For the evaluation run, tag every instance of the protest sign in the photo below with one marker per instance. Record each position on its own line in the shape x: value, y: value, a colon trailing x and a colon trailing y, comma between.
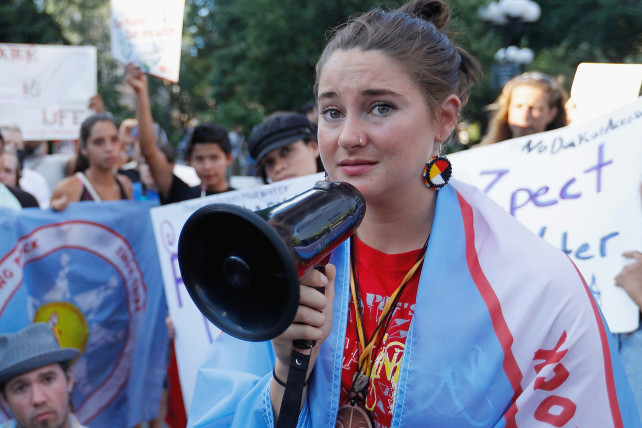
x: 91, y: 272
x: 619, y: 85
x: 194, y: 333
x: 45, y: 89
x: 148, y: 33
x: 579, y: 188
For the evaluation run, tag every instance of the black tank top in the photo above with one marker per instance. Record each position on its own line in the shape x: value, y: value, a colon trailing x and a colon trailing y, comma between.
x: 86, y: 195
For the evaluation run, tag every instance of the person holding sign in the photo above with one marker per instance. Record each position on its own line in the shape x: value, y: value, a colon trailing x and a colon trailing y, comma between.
x: 209, y: 150
x: 443, y: 310
x: 101, y: 146
x: 531, y: 102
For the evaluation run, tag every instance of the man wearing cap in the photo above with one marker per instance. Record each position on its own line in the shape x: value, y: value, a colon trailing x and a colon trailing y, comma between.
x: 285, y: 146
x: 36, y: 379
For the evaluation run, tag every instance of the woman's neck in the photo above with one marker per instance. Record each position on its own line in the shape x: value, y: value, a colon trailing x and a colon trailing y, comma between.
x: 394, y: 230
x: 99, y: 176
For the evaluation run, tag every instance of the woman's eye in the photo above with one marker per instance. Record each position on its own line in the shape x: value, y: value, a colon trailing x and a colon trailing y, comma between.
x: 331, y: 113
x: 285, y: 151
x: 382, y: 109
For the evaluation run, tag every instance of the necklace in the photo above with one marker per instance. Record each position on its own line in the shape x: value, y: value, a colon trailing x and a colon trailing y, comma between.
x: 352, y: 414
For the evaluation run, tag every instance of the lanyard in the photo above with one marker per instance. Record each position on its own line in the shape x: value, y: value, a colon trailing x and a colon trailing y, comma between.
x: 366, y: 350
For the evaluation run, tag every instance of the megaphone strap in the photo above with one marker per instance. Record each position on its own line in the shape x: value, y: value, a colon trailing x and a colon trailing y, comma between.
x: 293, y: 394
x: 280, y: 382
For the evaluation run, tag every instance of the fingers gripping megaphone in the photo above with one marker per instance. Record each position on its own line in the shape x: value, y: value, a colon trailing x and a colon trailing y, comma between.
x: 242, y: 267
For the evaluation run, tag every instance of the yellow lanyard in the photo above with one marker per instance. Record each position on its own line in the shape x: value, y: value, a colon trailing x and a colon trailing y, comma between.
x: 367, y: 350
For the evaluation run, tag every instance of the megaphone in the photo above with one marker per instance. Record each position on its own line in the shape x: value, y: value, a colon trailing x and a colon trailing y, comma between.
x: 242, y: 267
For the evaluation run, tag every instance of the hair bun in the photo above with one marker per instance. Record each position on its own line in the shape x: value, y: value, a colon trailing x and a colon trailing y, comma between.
x: 435, y: 11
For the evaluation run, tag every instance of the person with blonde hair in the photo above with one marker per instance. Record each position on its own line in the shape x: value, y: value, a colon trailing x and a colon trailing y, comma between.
x: 529, y: 103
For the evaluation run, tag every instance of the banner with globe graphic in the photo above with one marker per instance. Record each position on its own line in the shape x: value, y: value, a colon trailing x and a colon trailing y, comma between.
x: 91, y: 273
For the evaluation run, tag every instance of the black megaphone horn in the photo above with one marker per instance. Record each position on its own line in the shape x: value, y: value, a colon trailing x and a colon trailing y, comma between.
x: 242, y: 267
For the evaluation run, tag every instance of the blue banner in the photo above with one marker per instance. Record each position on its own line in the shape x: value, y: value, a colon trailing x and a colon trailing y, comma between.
x: 92, y: 273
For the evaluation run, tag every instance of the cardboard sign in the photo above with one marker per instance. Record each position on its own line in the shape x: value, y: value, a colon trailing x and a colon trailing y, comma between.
x: 619, y: 85
x: 148, y: 33
x: 579, y: 188
x: 45, y: 89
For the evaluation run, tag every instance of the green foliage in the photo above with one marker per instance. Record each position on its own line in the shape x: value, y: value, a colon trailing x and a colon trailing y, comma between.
x: 249, y: 58
x: 612, y: 29
x: 21, y: 22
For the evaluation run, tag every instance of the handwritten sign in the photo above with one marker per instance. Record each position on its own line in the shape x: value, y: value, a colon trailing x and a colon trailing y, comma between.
x: 45, y: 89
x: 148, y: 33
x: 194, y: 333
x: 578, y: 187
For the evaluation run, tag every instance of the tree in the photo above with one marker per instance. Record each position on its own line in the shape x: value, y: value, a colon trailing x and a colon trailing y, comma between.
x: 253, y: 57
x: 34, y: 25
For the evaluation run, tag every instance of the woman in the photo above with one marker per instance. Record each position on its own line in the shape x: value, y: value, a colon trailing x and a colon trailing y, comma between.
x: 530, y: 103
x: 99, y: 182
x: 285, y: 146
x: 442, y: 311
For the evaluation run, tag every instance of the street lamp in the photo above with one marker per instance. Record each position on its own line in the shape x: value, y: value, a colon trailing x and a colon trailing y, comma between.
x: 510, y: 18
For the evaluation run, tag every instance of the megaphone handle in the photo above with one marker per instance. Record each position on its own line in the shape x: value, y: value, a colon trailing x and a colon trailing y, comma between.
x: 309, y: 344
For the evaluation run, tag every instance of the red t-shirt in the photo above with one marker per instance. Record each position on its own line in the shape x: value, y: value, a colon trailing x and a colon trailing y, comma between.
x: 379, y: 276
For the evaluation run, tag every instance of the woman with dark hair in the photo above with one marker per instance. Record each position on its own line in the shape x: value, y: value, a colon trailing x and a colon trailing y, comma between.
x: 285, y: 146
x: 98, y: 182
x: 442, y: 310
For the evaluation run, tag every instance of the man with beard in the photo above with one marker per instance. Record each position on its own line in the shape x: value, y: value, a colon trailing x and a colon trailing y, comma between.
x: 36, y: 379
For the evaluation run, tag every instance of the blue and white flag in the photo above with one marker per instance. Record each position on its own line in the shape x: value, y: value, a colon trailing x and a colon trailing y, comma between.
x: 92, y: 273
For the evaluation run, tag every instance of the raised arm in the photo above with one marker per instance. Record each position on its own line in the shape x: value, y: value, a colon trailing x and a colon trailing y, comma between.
x: 159, y: 167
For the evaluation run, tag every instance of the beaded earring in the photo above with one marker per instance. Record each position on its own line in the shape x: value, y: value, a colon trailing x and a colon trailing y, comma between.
x: 437, y: 171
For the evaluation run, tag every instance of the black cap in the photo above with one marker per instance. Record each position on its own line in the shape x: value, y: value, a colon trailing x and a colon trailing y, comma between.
x: 279, y: 131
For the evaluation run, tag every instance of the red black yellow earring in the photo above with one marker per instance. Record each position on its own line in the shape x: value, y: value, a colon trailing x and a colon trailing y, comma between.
x: 437, y: 172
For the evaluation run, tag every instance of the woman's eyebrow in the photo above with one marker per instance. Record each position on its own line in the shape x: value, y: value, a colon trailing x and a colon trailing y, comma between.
x: 366, y: 92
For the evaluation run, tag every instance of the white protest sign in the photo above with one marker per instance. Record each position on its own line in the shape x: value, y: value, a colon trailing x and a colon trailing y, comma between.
x: 579, y: 188
x: 45, y: 89
x: 619, y: 85
x: 194, y: 333
x: 148, y: 33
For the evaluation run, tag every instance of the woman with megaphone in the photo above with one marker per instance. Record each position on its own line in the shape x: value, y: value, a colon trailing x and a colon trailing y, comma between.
x: 442, y: 310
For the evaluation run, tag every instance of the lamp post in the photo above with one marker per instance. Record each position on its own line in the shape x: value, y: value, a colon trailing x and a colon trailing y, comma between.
x: 510, y: 18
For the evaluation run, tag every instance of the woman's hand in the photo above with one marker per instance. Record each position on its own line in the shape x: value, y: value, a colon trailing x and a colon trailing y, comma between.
x: 136, y: 78
x: 59, y: 203
x: 97, y: 104
x: 630, y: 278
x: 313, y: 321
